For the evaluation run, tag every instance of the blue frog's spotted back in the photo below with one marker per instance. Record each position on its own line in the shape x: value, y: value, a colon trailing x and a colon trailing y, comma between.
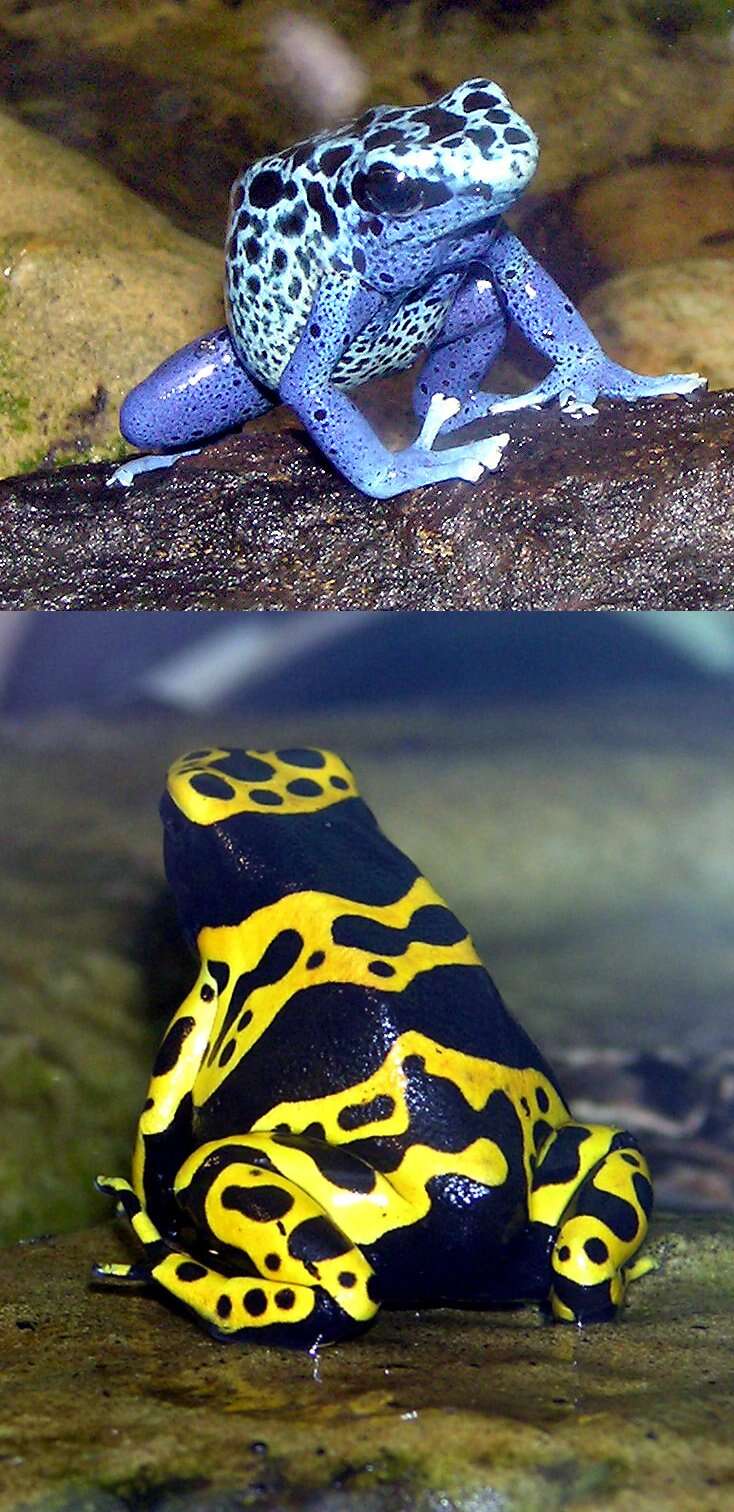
x: 352, y: 252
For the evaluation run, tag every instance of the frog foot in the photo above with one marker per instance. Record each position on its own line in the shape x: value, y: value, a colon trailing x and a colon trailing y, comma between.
x: 128, y: 471
x: 155, y: 1245
x: 577, y: 387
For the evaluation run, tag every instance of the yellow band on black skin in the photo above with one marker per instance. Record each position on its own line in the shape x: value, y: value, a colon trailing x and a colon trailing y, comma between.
x: 342, y: 1112
x: 211, y: 785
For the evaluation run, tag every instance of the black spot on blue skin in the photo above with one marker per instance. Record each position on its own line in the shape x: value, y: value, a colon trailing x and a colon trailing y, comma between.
x: 302, y: 756
x: 333, y: 159
x: 479, y: 99
x: 374, y: 1111
x: 341, y: 196
x: 211, y: 786
x: 499, y: 117
x: 263, y: 1204
x: 483, y: 136
x: 301, y: 154
x: 305, y: 787
x: 293, y: 223
x: 253, y: 284
x: 440, y: 123
x: 294, y: 287
x: 359, y: 260
x: 383, y: 136
x: 318, y: 202
x: 171, y: 1048
x: 252, y: 249
x: 514, y: 135
x: 433, y: 193
x: 255, y: 1302
x: 188, y: 1270
x: 280, y: 260
x: 265, y: 189
x: 316, y: 1239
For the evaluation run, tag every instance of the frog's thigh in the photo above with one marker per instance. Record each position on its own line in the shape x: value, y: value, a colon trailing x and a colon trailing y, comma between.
x: 242, y: 1204
x: 593, y: 1185
x: 471, y: 338
x: 199, y: 391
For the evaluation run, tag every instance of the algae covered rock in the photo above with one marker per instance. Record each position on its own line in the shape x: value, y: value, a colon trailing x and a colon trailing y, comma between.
x: 97, y: 288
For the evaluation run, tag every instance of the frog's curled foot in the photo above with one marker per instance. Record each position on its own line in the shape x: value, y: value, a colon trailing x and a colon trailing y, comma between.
x: 578, y: 387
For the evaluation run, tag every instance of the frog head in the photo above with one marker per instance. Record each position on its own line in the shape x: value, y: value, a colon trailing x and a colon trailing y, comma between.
x: 240, y: 827
x: 418, y: 184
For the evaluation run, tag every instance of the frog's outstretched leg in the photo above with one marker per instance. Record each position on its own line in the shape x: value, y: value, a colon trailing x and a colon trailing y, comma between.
x: 550, y: 322
x: 200, y: 391
x: 471, y: 338
x: 290, y: 1273
x: 592, y: 1187
x: 343, y: 306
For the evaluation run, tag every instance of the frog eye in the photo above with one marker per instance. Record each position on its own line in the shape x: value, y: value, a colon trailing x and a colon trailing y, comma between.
x: 389, y: 191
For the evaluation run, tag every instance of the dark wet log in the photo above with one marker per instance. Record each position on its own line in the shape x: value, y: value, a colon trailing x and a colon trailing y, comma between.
x: 630, y: 509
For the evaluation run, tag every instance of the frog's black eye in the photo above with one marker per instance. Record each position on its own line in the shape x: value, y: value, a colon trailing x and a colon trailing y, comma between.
x: 388, y: 191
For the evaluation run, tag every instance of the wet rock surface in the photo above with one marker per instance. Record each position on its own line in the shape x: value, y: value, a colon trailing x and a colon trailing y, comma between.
x: 631, y: 508
x: 112, y: 1402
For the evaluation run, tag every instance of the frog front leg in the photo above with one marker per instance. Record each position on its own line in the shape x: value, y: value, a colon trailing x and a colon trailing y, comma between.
x: 164, y: 1133
x: 199, y: 391
x: 341, y: 308
x: 290, y: 1274
x: 580, y: 369
x: 592, y: 1193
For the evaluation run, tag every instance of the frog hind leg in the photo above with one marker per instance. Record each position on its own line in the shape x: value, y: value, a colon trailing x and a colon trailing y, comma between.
x: 198, y: 392
x: 471, y: 338
x: 592, y: 1190
x: 301, y: 1285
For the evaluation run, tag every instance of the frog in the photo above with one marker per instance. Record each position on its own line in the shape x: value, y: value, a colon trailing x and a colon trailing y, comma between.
x: 343, y: 1115
x: 353, y: 252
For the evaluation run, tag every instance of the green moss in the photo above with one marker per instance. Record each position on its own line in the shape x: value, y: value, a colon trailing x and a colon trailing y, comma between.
x: 15, y: 411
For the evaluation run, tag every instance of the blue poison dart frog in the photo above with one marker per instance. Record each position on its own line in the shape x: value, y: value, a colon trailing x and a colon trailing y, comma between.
x: 346, y: 257
x: 342, y: 1113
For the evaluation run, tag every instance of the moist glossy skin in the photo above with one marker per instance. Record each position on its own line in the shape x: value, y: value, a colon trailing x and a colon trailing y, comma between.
x: 342, y: 1113
x: 349, y: 255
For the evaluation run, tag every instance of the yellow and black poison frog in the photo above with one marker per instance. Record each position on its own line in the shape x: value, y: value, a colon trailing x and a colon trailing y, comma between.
x: 347, y: 256
x: 342, y: 1113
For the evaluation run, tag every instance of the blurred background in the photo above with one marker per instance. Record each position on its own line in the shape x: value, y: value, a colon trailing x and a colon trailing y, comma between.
x: 564, y: 780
